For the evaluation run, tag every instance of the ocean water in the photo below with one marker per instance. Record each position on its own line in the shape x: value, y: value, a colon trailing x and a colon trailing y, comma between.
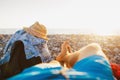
x: 50, y: 31
x: 64, y: 31
x: 8, y: 31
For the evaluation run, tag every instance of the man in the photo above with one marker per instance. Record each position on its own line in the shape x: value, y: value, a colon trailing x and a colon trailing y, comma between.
x: 26, y: 48
x: 88, y: 63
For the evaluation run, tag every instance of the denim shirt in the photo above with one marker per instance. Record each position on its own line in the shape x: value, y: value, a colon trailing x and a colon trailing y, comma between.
x: 34, y: 47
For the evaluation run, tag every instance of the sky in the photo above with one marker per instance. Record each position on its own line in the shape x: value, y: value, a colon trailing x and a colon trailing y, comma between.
x: 89, y: 16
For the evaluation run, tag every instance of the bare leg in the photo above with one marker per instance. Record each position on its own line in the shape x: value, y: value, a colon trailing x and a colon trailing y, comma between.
x: 71, y: 58
x: 91, y: 49
x: 18, y: 61
x: 13, y: 66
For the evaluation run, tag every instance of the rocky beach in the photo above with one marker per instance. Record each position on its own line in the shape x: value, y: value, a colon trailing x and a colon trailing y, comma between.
x: 109, y: 44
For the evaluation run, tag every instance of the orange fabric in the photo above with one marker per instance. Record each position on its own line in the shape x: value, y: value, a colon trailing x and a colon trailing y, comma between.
x: 116, y: 70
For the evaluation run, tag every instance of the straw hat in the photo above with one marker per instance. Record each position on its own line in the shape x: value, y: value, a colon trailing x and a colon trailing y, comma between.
x: 38, y: 30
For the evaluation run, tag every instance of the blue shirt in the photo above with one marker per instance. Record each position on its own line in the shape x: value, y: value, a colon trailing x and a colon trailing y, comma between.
x: 33, y: 47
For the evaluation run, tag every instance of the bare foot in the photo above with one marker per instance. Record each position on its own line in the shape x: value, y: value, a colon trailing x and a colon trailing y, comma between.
x: 65, y: 50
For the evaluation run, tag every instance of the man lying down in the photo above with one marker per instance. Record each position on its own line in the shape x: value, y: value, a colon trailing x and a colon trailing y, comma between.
x: 88, y: 63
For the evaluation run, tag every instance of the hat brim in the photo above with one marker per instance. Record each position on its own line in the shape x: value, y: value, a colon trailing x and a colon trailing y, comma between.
x: 32, y: 33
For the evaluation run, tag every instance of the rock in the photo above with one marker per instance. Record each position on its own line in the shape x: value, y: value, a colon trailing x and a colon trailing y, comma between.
x: 109, y: 44
x: 116, y: 50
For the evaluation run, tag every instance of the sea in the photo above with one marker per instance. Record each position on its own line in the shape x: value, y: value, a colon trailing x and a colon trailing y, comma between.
x: 50, y: 31
x: 59, y: 31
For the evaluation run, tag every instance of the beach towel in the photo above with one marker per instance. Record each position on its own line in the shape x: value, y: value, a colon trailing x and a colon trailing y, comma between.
x: 90, y: 68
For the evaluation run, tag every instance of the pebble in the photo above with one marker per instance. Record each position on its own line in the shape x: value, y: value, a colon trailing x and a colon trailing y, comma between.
x: 109, y: 44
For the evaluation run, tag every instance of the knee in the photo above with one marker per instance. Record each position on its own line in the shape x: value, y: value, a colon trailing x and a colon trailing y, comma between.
x: 96, y: 49
x: 94, y: 46
x: 18, y: 43
x: 91, y: 49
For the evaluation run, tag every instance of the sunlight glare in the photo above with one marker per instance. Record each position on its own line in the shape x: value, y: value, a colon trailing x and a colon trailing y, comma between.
x: 103, y: 31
